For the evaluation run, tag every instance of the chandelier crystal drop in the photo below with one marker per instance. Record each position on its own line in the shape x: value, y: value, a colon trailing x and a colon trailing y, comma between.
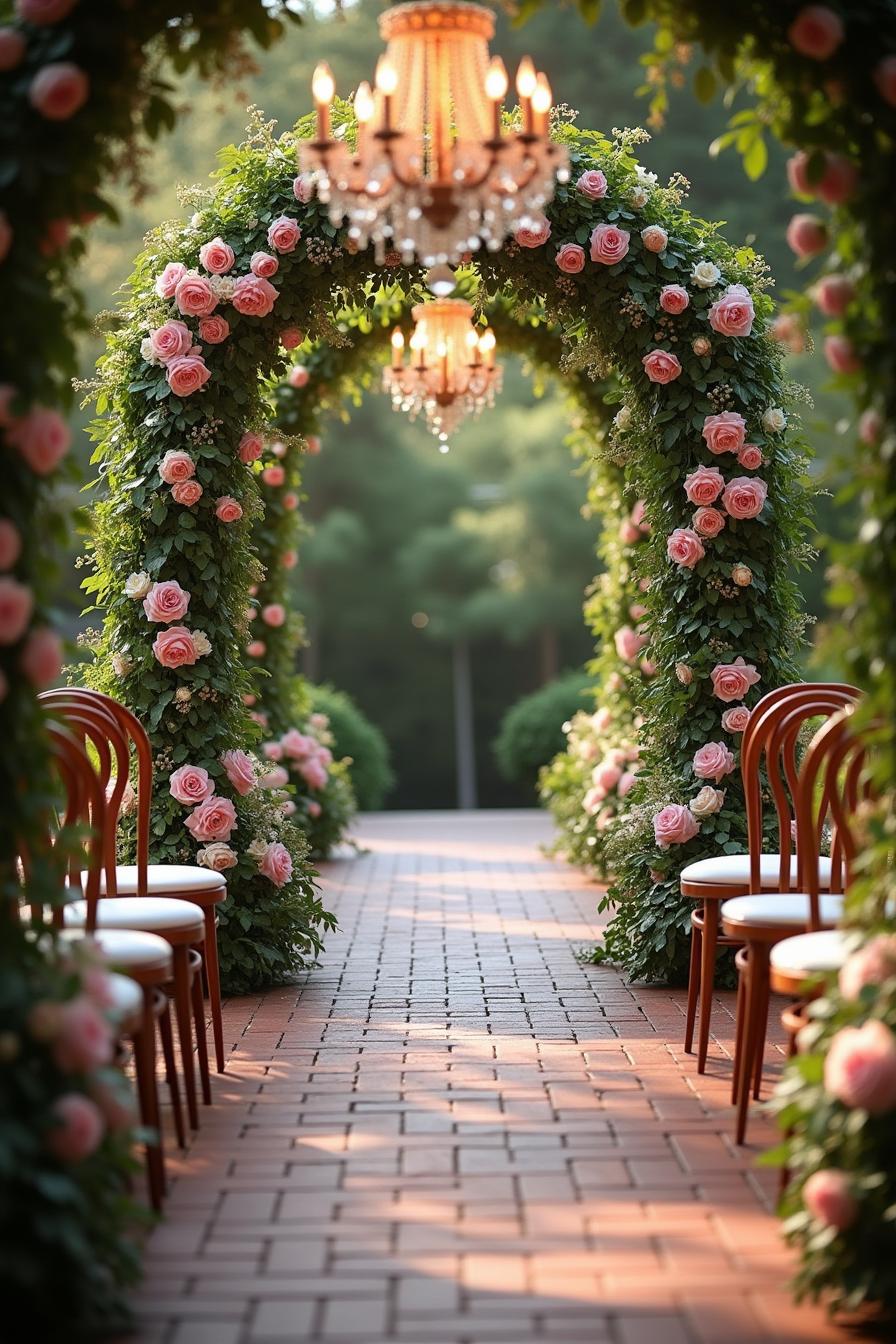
x: 433, y: 174
x: 451, y: 373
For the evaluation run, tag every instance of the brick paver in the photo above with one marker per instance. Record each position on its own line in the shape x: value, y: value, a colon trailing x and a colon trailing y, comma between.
x: 453, y: 1131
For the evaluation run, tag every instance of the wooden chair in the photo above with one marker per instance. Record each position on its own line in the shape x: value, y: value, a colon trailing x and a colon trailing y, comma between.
x: 712, y: 881
x: 762, y: 919
x: 185, y: 882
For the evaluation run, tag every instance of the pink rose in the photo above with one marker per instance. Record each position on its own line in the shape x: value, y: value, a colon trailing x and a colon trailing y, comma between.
x: 253, y: 296
x: 166, y: 284
x: 592, y: 184
x: 840, y: 354
x: 274, y: 614
x: 731, y: 681
x: 187, y: 493
x: 16, y: 606
x: 807, y: 235
x: 733, y: 313
x: 251, y: 447
x: 289, y: 559
x: 257, y: 648
x: 190, y: 784
x: 570, y: 258
x: 214, y: 330
x: 42, y: 438
x: 216, y: 256
x: 314, y: 774
x: 870, y: 426
x: 816, y: 32
x: 725, y: 432
x: 276, y: 864
x: 873, y: 964
x: 298, y: 376
x: 296, y: 744
x: 166, y: 602
x: 12, y: 48
x: 713, y: 761
x: 609, y: 244
x: 56, y: 237
x: 77, y: 1128
x: 59, y: 90
x: 674, y: 825
x: 674, y: 298
x: 176, y: 465
x: 44, y: 12
x: 839, y: 180
x: 290, y: 500
x: 629, y: 533
x: 312, y: 444
x: 654, y: 238
x: 240, y: 771
x: 217, y: 857
x: 606, y: 776
x: 798, y: 174
x: 834, y: 294
x: 860, y: 1067
x: 273, y: 475
x: 708, y: 522
x: 283, y: 235
x: 661, y: 366
x: 10, y: 543
x: 735, y: 720
x: 175, y: 647
x: 533, y: 235
x: 314, y: 809
x: 290, y: 337
x: 84, y: 1038
x: 704, y: 485
x: 194, y: 295
x: 884, y: 77
x: 228, y: 509
x: 750, y: 456
x: 41, y: 658
x: 828, y: 1198
x: 187, y: 374
x: 275, y: 778
x: 788, y: 331
x: 171, y: 339
x: 629, y: 643
x: 264, y: 264
x: 626, y: 783
x: 744, y: 496
x: 303, y: 187
x: 213, y: 819
x: 273, y: 751
x: 684, y: 547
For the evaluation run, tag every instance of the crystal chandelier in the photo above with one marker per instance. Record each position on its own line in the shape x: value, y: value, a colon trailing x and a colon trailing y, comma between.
x: 452, y: 372
x: 433, y: 173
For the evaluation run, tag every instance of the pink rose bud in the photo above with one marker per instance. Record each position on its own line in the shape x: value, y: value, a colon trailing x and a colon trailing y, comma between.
x: 274, y: 614
x: 251, y: 447
x: 816, y: 32
x: 570, y: 258
x: 807, y: 235
x: 674, y: 299
x: 298, y: 376
x: 860, y: 1067
x: 834, y: 294
x: 59, y: 90
x: 839, y: 180
x: 41, y: 659
x: 290, y: 500
x: 228, y: 509
x: 16, y: 606
x: 214, y: 330
x: 42, y: 438
x: 77, y: 1130
x: 533, y: 235
x: 257, y: 648
x: 828, y: 1198
x: 274, y: 475
x: 592, y: 184
x: 840, y: 354
x: 289, y: 559
x: 312, y: 444
x: 870, y: 426
x: 629, y: 533
x: 608, y: 244
x: 216, y: 256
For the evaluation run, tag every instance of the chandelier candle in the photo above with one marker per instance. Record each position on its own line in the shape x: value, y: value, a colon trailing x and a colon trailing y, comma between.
x: 433, y: 174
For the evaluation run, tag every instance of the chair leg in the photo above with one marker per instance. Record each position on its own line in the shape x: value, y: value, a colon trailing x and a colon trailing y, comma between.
x: 171, y: 1072
x: 709, y: 945
x: 693, y: 985
x: 213, y: 980
x: 739, y: 1015
x: 762, y: 1016
x: 184, y: 1028
x: 147, y: 1093
x: 753, y: 1039
x: 201, y: 1030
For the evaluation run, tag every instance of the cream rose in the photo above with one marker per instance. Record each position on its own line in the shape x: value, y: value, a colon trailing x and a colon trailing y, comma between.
x: 137, y: 585
x: 707, y: 802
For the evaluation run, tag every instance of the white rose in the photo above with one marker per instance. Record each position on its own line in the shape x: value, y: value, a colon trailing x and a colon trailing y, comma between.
x: 638, y: 197
x: 774, y: 420
x: 645, y: 179
x: 257, y: 849
x: 146, y: 351
x: 707, y: 802
x: 122, y: 664
x: 201, y: 642
x: 222, y: 286
x: 217, y: 856
x: 196, y: 220
x: 137, y: 585
x: 705, y: 274
x: 684, y: 674
x: 623, y: 417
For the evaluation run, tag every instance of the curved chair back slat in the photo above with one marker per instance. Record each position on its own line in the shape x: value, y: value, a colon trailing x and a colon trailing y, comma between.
x: 85, y: 807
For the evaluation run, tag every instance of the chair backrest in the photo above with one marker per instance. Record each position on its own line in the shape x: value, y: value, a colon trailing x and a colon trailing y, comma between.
x: 833, y: 782
x: 770, y: 765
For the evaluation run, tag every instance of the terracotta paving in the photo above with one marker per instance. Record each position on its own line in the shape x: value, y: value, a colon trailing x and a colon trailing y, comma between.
x: 453, y: 1132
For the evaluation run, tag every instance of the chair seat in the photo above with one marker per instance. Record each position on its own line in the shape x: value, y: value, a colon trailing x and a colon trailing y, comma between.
x: 735, y: 869
x: 126, y: 998
x: 779, y: 908
x: 148, y: 913
x: 164, y: 878
x: 807, y: 953
x: 132, y: 949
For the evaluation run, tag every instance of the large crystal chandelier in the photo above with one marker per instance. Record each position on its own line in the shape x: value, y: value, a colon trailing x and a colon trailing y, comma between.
x: 451, y: 373
x: 433, y: 173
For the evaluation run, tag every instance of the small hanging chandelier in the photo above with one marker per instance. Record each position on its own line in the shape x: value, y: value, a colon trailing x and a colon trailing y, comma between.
x: 452, y: 372
x: 433, y: 174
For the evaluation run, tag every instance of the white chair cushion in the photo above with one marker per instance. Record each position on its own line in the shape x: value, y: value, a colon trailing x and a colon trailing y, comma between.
x: 825, y: 950
x: 163, y: 878
x: 735, y: 868
x: 150, y: 913
x: 131, y: 949
x: 126, y: 997
x: 780, y: 908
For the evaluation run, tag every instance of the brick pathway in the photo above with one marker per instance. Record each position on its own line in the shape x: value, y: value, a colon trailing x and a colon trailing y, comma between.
x: 455, y: 1133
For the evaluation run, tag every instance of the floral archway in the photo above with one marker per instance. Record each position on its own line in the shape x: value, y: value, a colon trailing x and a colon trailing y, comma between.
x: 630, y: 283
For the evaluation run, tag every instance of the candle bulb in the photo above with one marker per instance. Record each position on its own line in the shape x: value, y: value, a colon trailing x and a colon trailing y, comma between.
x: 526, y: 80
x: 386, y: 84
x: 487, y: 345
x: 364, y: 109
x: 397, y: 349
x: 323, y: 88
x: 473, y: 347
x: 541, y: 105
x: 442, y: 353
x: 496, y: 89
x: 418, y: 345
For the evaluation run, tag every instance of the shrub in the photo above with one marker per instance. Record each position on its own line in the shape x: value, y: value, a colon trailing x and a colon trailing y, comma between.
x: 355, y: 736
x: 531, y: 731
